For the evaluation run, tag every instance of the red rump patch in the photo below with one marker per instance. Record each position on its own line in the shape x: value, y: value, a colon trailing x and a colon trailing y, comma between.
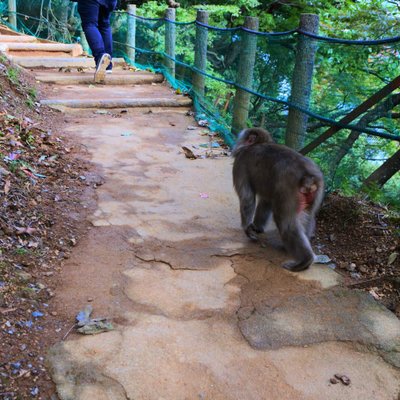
x: 305, y: 200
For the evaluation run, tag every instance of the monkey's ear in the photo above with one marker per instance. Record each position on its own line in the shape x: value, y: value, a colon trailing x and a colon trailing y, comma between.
x: 251, y: 139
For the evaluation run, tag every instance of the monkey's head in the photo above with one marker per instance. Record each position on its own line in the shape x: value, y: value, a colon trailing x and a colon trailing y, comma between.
x: 251, y: 137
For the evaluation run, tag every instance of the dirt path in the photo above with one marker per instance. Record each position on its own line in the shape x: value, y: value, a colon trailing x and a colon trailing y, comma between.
x: 199, y: 312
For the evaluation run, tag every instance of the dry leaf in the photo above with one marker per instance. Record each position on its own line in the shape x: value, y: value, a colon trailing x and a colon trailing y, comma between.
x: 189, y: 153
x: 7, y: 186
x: 28, y: 230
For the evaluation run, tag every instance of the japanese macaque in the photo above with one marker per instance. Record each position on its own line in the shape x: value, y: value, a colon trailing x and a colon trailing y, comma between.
x: 272, y: 178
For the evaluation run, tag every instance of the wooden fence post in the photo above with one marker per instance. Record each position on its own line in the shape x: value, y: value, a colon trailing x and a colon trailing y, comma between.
x: 302, y: 82
x: 12, y: 13
x: 244, y: 77
x: 200, y: 53
x: 170, y: 40
x: 131, y: 34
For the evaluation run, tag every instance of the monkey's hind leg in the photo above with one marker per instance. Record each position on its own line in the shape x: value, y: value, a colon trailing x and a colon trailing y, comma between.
x: 296, y: 243
x: 262, y: 215
x: 247, y: 201
x: 308, y: 222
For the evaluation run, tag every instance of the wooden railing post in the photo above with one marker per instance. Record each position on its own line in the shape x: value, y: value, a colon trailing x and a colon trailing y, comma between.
x: 170, y: 41
x: 12, y: 13
x: 200, y: 53
x: 131, y: 33
x: 244, y: 77
x: 302, y: 82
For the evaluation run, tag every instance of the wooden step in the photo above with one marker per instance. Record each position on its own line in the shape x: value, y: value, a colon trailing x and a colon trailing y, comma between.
x: 86, y: 78
x: 17, y: 39
x: 59, y: 62
x: 73, y: 49
x: 119, y: 103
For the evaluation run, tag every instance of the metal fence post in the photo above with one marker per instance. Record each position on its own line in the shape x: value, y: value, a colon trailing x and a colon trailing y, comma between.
x: 200, y: 53
x: 302, y: 82
x: 245, y: 74
x: 12, y: 13
x: 170, y: 41
x: 131, y: 34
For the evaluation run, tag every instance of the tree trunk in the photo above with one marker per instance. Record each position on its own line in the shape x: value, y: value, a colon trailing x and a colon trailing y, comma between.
x: 376, y: 113
x: 380, y: 176
x: 63, y: 18
x: 302, y: 82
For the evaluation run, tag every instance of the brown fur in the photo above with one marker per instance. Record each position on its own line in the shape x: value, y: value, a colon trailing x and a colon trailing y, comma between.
x: 272, y: 178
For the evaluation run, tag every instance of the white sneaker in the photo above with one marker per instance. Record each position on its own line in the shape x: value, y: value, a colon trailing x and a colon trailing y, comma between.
x: 100, y: 73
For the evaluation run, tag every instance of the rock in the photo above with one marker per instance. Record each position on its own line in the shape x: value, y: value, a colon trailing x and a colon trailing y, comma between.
x: 343, y: 378
x: 363, y: 269
x: 351, y: 267
x: 3, y: 172
x: 322, y: 259
x: 25, y: 276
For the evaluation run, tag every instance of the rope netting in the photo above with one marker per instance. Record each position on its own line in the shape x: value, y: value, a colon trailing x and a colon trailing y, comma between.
x: 345, y: 74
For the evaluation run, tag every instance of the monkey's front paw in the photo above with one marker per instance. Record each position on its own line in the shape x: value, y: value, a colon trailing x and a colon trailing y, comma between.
x: 251, y: 232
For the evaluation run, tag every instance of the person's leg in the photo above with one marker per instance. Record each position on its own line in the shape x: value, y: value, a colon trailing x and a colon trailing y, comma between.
x: 89, y: 11
x: 105, y: 27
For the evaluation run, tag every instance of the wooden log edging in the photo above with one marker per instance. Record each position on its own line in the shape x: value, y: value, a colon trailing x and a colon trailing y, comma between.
x: 118, y: 103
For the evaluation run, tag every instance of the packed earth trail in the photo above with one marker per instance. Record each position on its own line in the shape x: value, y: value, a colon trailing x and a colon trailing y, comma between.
x: 198, y: 311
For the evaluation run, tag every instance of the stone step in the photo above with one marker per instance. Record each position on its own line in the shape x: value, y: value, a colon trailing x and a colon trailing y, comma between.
x: 74, y: 50
x: 119, y: 103
x: 59, y: 62
x: 17, y: 39
x: 86, y: 78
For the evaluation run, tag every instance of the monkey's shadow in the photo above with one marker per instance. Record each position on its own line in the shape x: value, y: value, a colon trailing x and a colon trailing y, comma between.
x: 271, y: 238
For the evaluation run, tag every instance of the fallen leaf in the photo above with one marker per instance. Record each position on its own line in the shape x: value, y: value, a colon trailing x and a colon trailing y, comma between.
x: 7, y: 310
x: 28, y: 230
x: 7, y: 186
x: 189, y: 153
x: 392, y: 258
x: 375, y: 295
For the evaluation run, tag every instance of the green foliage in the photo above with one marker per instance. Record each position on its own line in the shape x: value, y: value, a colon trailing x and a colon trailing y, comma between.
x: 30, y: 102
x: 31, y: 94
x: 344, y: 75
x: 13, y: 75
x: 21, y: 251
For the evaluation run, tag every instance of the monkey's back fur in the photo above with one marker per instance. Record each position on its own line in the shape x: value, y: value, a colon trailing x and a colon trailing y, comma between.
x: 270, y: 167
